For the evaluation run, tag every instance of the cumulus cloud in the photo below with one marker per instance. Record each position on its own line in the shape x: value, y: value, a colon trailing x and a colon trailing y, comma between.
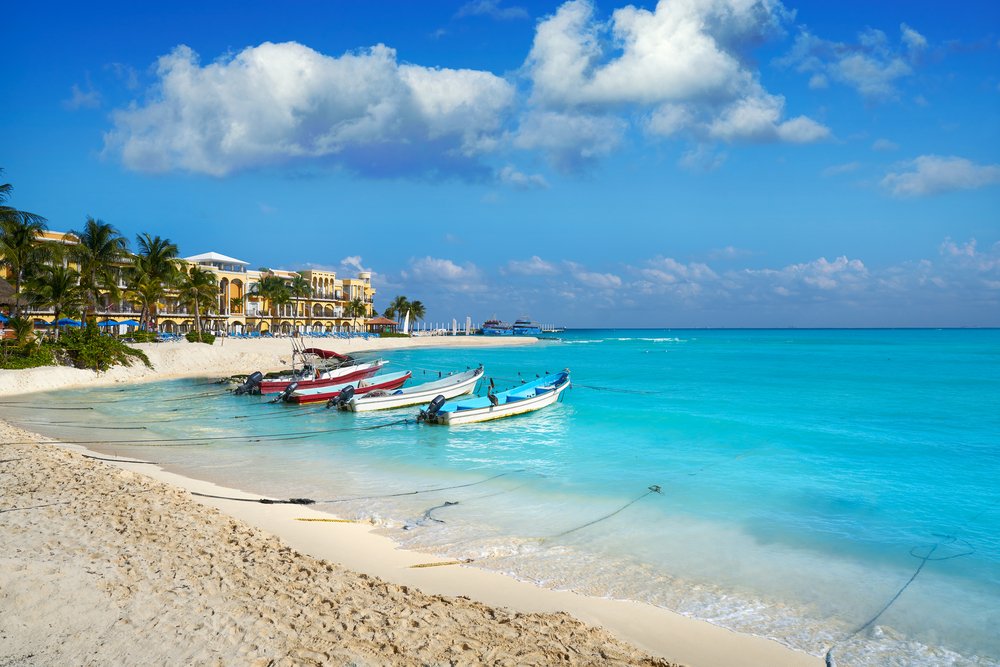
x: 570, y: 140
x: 534, y: 266
x: 278, y: 102
x: 872, y: 66
x: 935, y: 174
x: 594, y: 279
x: 445, y: 274
x: 353, y: 263
x: 682, y: 61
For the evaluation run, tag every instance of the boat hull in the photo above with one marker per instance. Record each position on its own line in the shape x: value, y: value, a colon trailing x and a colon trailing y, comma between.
x: 368, y: 403
x: 338, y: 376
x: 502, y: 411
x: 323, y: 396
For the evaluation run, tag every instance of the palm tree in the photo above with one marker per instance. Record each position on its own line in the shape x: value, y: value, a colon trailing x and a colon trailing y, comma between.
x: 197, y: 286
x: 155, y: 269
x: 417, y: 310
x: 355, y: 309
x: 299, y: 288
x: 99, y: 250
x: 275, y: 291
x: 59, y: 288
x: 20, y: 246
x: 397, y: 307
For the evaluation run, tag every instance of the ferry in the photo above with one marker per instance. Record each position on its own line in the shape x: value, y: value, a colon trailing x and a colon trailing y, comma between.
x: 524, y: 327
x: 497, y: 328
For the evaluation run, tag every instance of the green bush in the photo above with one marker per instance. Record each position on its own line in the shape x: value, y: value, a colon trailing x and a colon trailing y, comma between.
x: 388, y: 334
x: 14, y: 356
x: 206, y: 337
x: 87, y: 348
x: 143, y: 337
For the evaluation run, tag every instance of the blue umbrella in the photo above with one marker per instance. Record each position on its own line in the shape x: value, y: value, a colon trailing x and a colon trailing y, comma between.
x: 4, y: 318
x: 107, y: 323
x: 67, y: 322
x: 129, y: 323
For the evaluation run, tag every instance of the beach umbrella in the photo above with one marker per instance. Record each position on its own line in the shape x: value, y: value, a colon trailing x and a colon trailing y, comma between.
x: 107, y: 323
x: 129, y: 323
x: 67, y: 322
x: 4, y: 318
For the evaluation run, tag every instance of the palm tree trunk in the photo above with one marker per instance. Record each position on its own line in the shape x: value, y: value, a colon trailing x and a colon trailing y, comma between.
x: 197, y: 317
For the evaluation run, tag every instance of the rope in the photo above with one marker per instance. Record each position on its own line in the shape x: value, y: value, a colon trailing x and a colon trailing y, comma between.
x: 264, y: 501
x: 413, y: 493
x: 34, y: 507
x: 652, y: 489
x: 101, y: 458
x: 258, y: 438
x: 924, y: 559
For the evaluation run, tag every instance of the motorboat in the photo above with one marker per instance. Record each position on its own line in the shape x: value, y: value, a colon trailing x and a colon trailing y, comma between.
x: 449, y: 386
x: 530, y: 396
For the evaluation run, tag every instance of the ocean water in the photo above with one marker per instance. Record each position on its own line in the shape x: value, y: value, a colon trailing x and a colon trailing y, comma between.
x: 805, y: 475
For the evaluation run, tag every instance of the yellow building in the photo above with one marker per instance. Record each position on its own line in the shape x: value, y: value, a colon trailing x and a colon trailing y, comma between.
x: 238, y: 308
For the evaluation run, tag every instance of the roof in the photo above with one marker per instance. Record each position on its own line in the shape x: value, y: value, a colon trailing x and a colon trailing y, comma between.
x: 215, y: 257
x: 381, y: 320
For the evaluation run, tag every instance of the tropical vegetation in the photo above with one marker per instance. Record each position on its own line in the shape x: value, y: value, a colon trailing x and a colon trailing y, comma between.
x: 400, y: 305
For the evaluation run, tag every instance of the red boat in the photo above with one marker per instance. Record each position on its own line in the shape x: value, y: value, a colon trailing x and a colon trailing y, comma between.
x: 325, y: 354
x: 386, y: 382
x: 338, y: 375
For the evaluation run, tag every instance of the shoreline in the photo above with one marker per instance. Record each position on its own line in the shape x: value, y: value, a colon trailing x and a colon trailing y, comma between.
x: 356, y: 547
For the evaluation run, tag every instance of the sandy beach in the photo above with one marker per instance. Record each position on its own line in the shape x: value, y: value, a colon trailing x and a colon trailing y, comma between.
x: 117, y: 563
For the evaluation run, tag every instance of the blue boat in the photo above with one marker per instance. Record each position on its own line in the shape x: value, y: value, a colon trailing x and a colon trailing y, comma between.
x: 527, y: 328
x: 528, y: 397
x: 497, y: 328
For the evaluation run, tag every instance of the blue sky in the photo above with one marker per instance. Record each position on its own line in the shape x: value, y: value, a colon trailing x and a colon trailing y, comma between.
x: 683, y: 163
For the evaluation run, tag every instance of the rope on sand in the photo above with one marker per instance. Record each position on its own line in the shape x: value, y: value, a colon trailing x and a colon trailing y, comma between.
x: 442, y: 563
x: 263, y: 501
x: 101, y: 458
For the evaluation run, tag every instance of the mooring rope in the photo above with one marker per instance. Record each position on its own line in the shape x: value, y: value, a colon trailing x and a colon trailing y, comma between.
x: 413, y: 493
x: 651, y: 489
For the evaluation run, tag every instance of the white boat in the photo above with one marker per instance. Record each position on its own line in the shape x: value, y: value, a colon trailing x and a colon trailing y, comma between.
x: 528, y: 397
x: 449, y: 387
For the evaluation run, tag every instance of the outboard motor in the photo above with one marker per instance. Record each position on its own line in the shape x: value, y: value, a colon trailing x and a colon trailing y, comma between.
x: 345, y: 396
x: 432, y: 409
x: 251, y: 386
x: 283, y: 396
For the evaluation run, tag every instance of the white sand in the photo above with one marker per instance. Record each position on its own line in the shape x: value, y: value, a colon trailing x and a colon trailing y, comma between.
x: 133, y: 571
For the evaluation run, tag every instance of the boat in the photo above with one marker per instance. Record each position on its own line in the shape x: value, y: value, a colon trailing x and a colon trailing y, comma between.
x: 449, y: 387
x: 385, y: 382
x: 529, y: 397
x: 326, y: 354
x: 497, y: 328
x: 338, y: 375
x: 525, y: 327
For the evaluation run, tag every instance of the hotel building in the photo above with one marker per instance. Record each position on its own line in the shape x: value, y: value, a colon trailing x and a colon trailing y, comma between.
x: 238, y: 307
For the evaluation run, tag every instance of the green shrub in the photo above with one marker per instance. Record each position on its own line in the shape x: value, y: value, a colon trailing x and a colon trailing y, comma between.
x: 143, y: 337
x: 87, y: 348
x: 388, y: 334
x: 14, y: 356
x: 206, y: 337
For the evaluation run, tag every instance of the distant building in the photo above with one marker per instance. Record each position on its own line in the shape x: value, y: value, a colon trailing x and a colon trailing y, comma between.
x: 239, y: 308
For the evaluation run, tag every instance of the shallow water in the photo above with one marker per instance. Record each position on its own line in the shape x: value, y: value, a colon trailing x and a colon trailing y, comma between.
x: 804, y: 475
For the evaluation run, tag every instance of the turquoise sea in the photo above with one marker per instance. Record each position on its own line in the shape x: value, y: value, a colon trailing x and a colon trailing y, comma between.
x: 806, y: 475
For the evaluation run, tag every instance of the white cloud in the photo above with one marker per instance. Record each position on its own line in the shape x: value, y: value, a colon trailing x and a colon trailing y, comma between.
x: 871, y: 66
x: 82, y: 99
x: 492, y: 9
x: 445, y: 274
x: 594, y: 279
x: 935, y: 174
x: 702, y: 159
x: 512, y: 176
x: 570, y: 140
x: 353, y: 263
x: 914, y: 41
x: 279, y: 102
x: 535, y: 266
x: 683, y: 60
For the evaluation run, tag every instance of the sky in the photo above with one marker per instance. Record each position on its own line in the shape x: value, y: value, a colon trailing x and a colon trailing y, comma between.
x: 686, y: 163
